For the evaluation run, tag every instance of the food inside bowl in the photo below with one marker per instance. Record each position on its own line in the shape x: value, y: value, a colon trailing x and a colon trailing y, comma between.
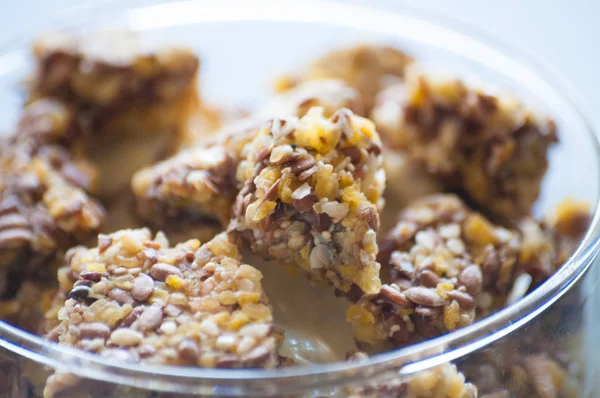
x: 368, y: 205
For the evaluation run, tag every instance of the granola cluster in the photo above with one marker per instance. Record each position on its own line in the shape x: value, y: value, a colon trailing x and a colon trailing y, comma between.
x: 45, y: 208
x: 310, y: 196
x: 449, y: 265
x: 131, y: 99
x: 198, y: 184
x: 442, y: 381
x: 367, y: 68
x: 492, y: 148
x: 93, y: 71
x: 138, y: 299
x: 300, y: 181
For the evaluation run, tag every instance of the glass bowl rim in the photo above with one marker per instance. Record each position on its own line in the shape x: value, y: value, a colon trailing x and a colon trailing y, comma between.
x: 409, y: 359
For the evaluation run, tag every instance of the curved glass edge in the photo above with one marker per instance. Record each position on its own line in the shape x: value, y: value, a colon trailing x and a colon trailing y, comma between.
x: 476, y: 45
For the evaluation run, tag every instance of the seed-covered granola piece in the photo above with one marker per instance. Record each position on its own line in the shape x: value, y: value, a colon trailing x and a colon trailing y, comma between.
x: 442, y: 381
x: 449, y: 265
x: 310, y: 195
x: 132, y: 100
x: 44, y: 210
x: 92, y: 70
x: 139, y: 299
x: 492, y: 148
x: 198, y: 184
x: 367, y: 68
x: 441, y: 255
x: 195, y: 184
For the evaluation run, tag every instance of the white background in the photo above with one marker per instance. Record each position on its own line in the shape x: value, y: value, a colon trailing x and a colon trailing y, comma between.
x: 564, y: 32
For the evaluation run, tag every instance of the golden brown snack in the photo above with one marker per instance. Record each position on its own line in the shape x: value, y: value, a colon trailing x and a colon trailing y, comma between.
x: 449, y: 265
x: 441, y: 381
x: 310, y: 196
x: 45, y: 208
x: 93, y: 71
x: 131, y: 100
x: 138, y: 299
x: 367, y: 68
x: 492, y: 148
x: 198, y: 185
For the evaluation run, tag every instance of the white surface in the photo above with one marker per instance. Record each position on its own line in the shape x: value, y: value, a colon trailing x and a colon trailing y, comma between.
x: 563, y: 32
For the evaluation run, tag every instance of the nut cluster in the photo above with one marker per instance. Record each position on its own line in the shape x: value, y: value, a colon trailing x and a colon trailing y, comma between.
x: 449, y: 265
x: 139, y: 299
x: 310, y: 195
x: 44, y: 208
x: 492, y: 148
x: 367, y: 68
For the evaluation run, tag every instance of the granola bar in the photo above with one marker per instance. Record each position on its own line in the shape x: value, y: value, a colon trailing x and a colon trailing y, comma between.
x: 198, y: 184
x: 44, y: 209
x: 450, y: 265
x: 492, y: 148
x: 133, y: 101
x: 310, y: 195
x: 367, y: 68
x: 195, y: 185
x: 138, y: 299
x: 93, y: 71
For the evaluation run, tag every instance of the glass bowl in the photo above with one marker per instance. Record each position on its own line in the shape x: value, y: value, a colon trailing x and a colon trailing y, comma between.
x: 243, y: 45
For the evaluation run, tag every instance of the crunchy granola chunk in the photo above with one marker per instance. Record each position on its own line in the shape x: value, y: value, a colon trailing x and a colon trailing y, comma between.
x: 449, y: 265
x: 95, y: 71
x: 542, y: 360
x: 310, y: 195
x: 44, y: 209
x: 195, y: 183
x: 367, y: 68
x: 441, y: 381
x: 492, y: 148
x: 131, y: 100
x: 435, y: 255
x: 138, y: 299
x: 198, y: 184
